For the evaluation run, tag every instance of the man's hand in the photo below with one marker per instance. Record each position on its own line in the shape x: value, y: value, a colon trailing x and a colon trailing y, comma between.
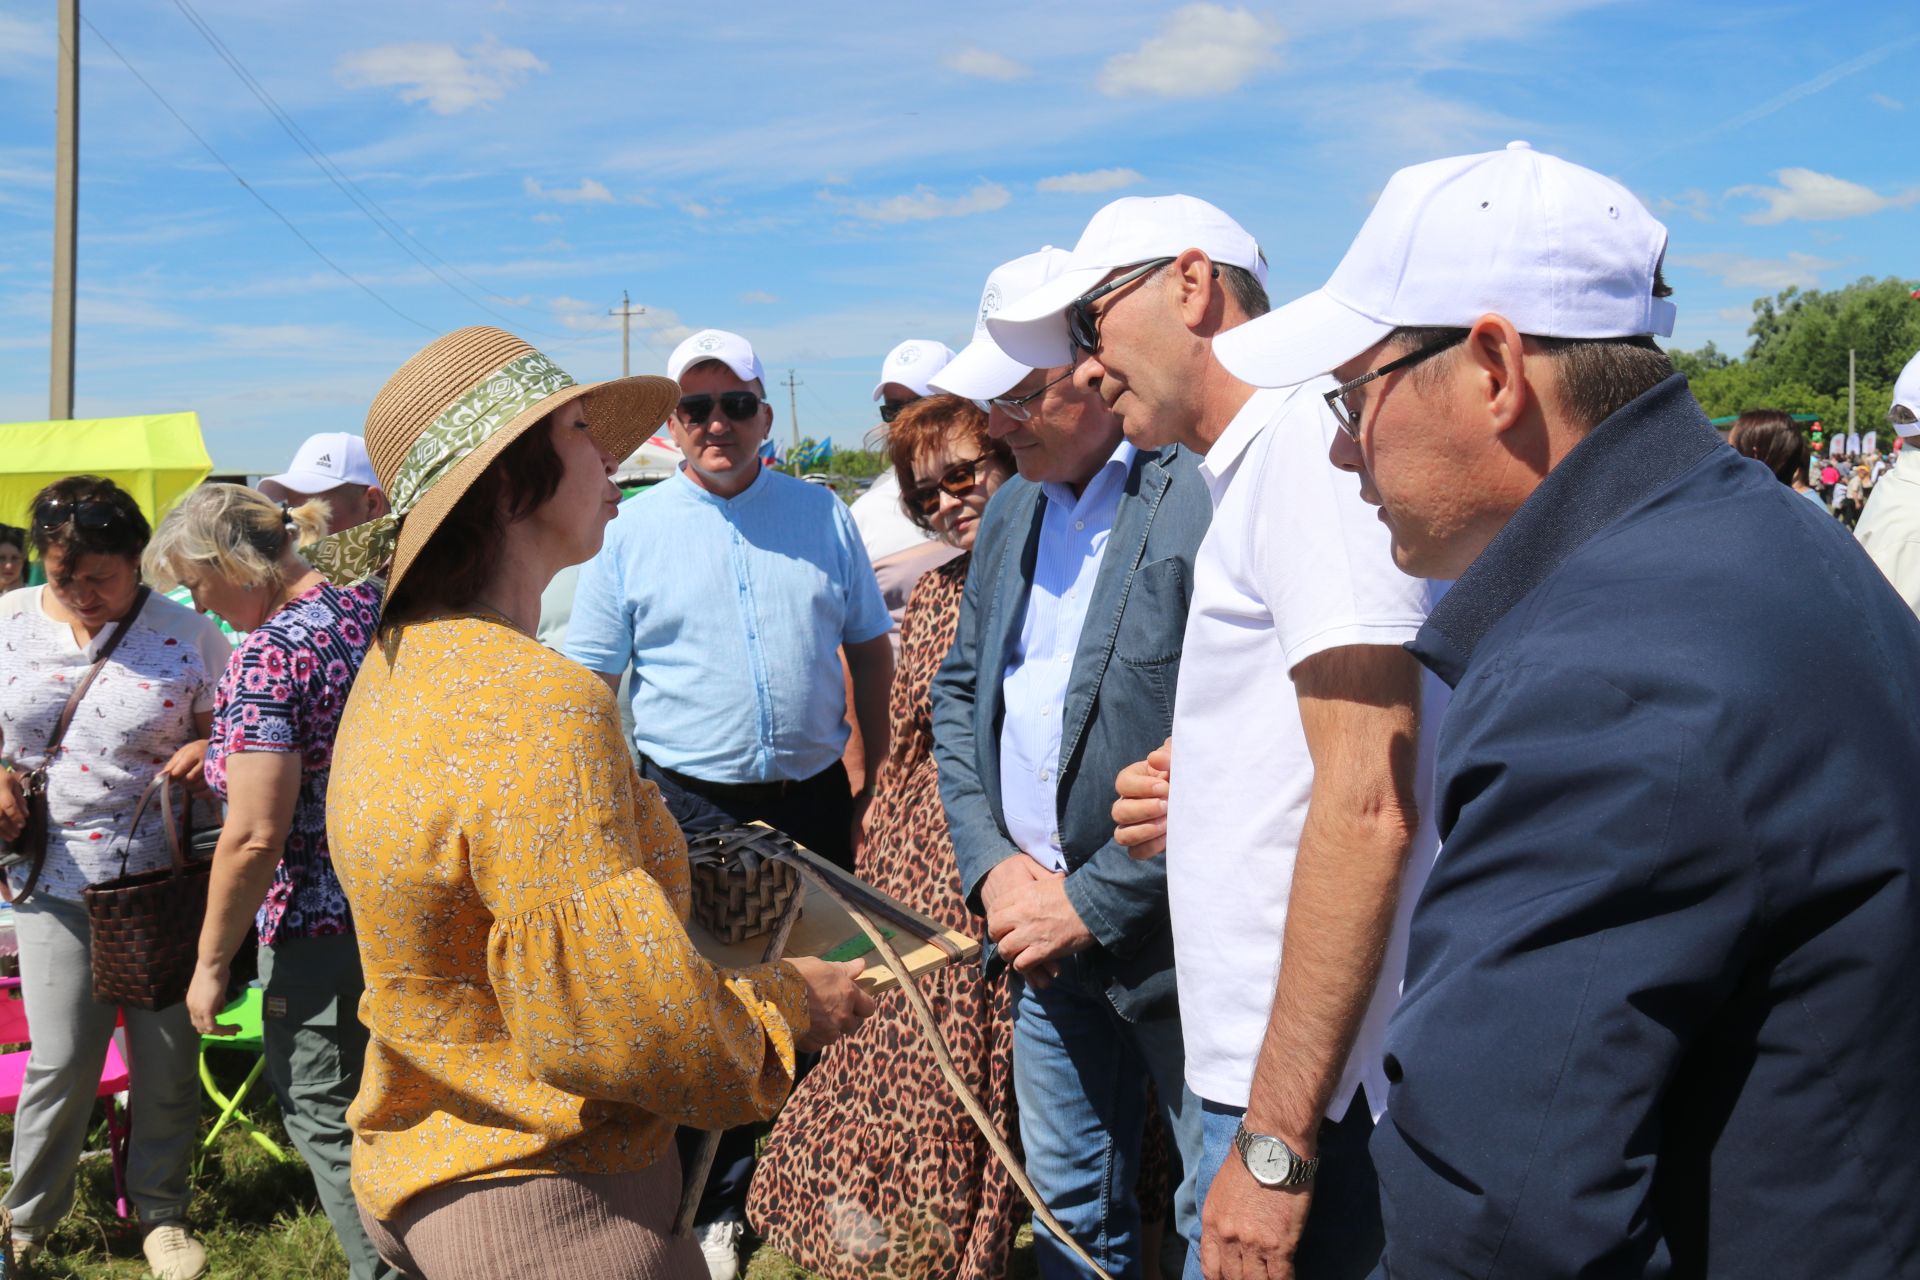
x: 1140, y: 814
x: 189, y: 767
x: 1247, y: 1231
x: 1030, y: 919
x: 13, y: 805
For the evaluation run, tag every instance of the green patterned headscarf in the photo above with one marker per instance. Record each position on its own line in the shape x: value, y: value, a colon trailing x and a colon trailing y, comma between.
x: 354, y: 555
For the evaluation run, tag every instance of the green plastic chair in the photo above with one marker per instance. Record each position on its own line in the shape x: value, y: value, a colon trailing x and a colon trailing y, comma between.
x: 244, y: 1013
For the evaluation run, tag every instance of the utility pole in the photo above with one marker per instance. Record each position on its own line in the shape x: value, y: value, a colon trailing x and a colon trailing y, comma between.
x: 626, y: 313
x: 1851, y: 428
x: 66, y: 178
x: 793, y: 407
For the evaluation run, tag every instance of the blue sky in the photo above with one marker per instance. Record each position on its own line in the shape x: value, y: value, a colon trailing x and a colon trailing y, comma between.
x: 829, y: 179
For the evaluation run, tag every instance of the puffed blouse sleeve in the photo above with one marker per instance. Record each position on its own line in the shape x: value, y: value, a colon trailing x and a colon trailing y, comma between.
x: 598, y: 984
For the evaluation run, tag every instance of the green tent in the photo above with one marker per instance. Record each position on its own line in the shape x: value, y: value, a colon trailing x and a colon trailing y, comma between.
x: 156, y: 458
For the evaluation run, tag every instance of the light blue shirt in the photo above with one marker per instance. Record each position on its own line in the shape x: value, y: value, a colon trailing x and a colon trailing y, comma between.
x: 1073, y: 541
x: 730, y: 613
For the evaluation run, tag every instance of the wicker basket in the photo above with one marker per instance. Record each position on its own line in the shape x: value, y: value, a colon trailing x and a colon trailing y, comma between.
x: 146, y: 927
x: 741, y: 887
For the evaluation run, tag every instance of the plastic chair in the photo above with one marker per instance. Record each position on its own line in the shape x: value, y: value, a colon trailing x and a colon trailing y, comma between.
x: 244, y: 1013
x: 114, y: 1079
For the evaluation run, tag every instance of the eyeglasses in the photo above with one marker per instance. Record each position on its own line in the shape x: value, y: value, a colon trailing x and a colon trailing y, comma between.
x: 956, y: 480
x: 1083, y: 327
x: 890, y: 409
x: 1015, y: 407
x: 1343, y: 410
x: 88, y: 513
x: 739, y: 406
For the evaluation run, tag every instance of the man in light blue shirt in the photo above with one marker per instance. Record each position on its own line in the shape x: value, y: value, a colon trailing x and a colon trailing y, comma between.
x: 729, y: 590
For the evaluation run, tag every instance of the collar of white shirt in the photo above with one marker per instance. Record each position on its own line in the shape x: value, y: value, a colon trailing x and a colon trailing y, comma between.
x: 1260, y: 411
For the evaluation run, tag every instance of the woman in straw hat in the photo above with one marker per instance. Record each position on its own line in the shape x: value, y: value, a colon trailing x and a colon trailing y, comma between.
x: 539, y: 1021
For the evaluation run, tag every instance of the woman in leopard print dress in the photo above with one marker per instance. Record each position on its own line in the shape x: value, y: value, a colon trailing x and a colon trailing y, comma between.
x: 873, y: 1169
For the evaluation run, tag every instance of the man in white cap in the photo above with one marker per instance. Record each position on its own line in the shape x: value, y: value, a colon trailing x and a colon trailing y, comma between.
x: 1890, y: 527
x: 1295, y: 705
x: 900, y: 549
x: 1062, y: 671
x: 332, y: 465
x: 1659, y: 1014
x: 729, y: 592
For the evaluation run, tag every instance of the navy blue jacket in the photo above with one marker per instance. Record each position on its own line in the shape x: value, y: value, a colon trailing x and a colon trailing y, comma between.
x: 1662, y: 1013
x: 1119, y: 707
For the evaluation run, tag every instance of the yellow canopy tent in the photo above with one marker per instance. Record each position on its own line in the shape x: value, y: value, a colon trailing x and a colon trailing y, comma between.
x: 156, y: 457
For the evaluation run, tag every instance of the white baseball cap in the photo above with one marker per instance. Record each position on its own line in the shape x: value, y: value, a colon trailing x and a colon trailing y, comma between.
x: 327, y: 461
x: 912, y: 363
x: 1130, y: 231
x: 1906, y: 393
x: 1559, y: 250
x: 730, y: 349
x: 982, y: 370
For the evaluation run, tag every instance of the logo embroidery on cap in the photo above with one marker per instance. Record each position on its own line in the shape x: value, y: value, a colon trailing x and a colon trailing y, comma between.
x: 907, y: 356
x: 989, y: 302
x: 324, y: 460
x: 709, y: 343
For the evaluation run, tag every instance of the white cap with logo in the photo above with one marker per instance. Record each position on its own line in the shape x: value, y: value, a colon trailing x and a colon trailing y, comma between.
x: 1557, y: 249
x: 730, y: 349
x: 912, y: 364
x: 982, y: 370
x: 327, y: 461
x: 1906, y: 395
x: 1128, y: 232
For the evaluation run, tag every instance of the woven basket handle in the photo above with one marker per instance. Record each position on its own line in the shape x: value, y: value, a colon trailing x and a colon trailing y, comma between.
x: 178, y: 838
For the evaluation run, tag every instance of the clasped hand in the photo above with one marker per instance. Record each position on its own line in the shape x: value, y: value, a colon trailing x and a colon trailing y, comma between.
x: 1140, y: 813
x: 1030, y: 918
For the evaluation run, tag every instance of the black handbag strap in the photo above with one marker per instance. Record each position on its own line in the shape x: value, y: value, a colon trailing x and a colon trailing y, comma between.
x: 38, y: 797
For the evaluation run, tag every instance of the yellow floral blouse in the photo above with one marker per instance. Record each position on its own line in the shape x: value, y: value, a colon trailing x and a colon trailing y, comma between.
x: 533, y: 1001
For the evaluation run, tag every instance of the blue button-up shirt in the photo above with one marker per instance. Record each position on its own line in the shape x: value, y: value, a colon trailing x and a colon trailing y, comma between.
x: 1073, y: 541
x: 730, y: 613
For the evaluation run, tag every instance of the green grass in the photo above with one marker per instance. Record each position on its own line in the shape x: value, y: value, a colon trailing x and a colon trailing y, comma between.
x: 258, y: 1218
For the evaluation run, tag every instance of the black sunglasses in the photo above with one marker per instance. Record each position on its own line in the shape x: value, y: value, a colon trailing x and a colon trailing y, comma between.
x: 739, y: 406
x: 890, y: 409
x: 1083, y: 327
x: 88, y: 513
x: 956, y: 480
x: 1347, y: 415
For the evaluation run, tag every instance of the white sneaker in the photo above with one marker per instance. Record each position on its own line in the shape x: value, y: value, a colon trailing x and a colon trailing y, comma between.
x: 172, y: 1254
x: 720, y: 1246
x: 26, y: 1248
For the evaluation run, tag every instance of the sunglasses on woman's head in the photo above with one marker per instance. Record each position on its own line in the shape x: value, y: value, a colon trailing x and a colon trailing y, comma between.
x: 739, y: 406
x: 957, y: 480
x: 87, y: 513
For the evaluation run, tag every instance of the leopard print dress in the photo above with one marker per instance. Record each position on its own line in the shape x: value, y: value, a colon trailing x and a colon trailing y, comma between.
x: 873, y: 1169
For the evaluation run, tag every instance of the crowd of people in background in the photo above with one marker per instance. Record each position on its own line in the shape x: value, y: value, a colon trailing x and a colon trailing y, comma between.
x: 1134, y: 664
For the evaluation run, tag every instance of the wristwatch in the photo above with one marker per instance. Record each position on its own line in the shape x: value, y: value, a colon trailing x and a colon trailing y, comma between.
x: 1272, y: 1162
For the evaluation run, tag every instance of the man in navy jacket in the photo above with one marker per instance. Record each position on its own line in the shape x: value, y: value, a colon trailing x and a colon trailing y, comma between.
x: 1661, y: 1014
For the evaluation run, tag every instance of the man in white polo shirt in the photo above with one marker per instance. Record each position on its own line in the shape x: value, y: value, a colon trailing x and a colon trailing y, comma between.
x: 1890, y: 526
x: 1294, y: 815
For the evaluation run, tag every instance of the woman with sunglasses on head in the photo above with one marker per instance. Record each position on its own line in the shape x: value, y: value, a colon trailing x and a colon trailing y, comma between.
x: 918, y: 1192
x: 13, y: 558
x: 276, y: 711
x: 148, y: 711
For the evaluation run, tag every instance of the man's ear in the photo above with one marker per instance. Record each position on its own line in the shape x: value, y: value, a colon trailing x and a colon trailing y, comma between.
x: 1194, y: 272
x: 1496, y: 355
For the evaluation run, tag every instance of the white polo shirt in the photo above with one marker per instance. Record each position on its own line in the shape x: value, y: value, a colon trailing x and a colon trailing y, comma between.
x: 1293, y: 564
x: 1890, y: 530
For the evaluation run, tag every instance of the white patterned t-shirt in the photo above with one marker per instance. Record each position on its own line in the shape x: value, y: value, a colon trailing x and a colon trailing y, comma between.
x: 139, y: 711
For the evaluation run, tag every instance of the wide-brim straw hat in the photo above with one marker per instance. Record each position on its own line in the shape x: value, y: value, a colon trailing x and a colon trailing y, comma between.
x: 447, y: 414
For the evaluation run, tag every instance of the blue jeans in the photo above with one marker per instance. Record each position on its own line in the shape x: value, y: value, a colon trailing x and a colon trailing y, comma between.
x: 1343, y: 1236
x: 1080, y: 1074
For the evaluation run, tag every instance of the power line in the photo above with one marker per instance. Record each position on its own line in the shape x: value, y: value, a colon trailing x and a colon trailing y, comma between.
x: 235, y: 175
x: 374, y: 211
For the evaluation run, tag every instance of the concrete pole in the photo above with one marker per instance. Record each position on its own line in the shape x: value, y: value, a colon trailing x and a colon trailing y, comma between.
x: 1851, y: 428
x: 66, y: 208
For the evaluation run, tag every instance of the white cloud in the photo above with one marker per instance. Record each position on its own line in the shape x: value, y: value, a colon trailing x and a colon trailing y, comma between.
x: 439, y: 75
x: 1891, y: 104
x: 650, y: 326
x: 758, y: 297
x: 985, y: 64
x: 1202, y: 51
x: 1739, y: 271
x: 1094, y: 180
x: 1693, y: 202
x: 1806, y: 196
x: 588, y: 192
x: 924, y: 205
x: 546, y: 218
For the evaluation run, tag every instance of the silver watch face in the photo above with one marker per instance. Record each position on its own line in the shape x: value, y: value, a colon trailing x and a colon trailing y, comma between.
x: 1268, y: 1159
